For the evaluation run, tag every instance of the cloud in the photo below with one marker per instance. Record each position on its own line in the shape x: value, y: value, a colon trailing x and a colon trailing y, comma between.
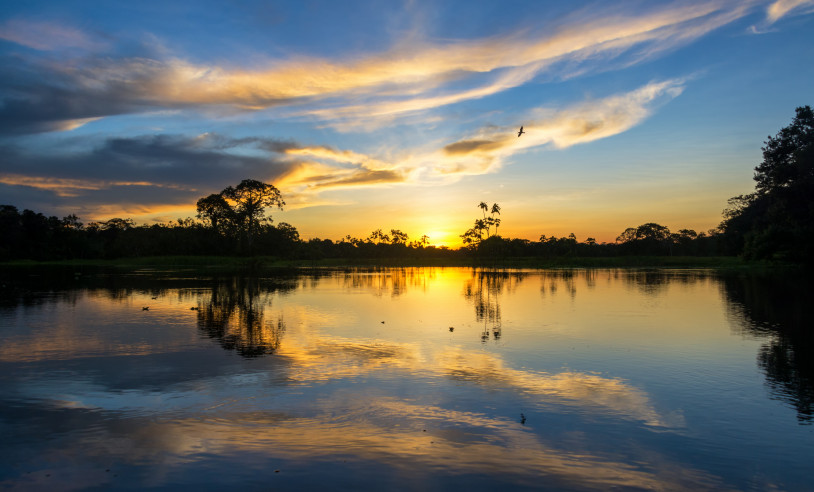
x: 145, y: 173
x: 782, y: 8
x: 581, y: 123
x: 136, y: 175
x: 47, y: 36
x: 471, y: 146
x: 59, y: 95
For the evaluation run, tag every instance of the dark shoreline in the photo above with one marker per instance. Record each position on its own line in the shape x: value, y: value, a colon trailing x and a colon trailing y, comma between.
x: 261, y: 263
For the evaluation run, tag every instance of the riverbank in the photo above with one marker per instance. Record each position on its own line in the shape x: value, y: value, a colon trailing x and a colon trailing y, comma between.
x: 260, y: 263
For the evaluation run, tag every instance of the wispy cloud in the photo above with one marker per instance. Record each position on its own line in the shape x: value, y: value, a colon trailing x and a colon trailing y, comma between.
x: 405, y: 79
x: 782, y: 8
x: 591, y: 120
x: 47, y: 36
x: 171, y: 170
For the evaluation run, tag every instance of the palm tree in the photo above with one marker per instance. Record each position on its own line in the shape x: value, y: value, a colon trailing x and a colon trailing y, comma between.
x: 495, y: 210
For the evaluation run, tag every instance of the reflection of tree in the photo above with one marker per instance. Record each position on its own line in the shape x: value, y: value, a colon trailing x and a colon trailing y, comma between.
x: 649, y: 282
x: 566, y: 278
x: 777, y: 309
x: 235, y: 315
x: 654, y: 282
x: 483, y: 290
x: 392, y: 281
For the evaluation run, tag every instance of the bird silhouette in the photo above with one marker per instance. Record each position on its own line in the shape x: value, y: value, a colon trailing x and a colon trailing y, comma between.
x: 520, y: 132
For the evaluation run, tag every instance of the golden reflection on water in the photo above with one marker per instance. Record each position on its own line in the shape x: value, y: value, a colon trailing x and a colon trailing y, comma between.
x: 357, y: 334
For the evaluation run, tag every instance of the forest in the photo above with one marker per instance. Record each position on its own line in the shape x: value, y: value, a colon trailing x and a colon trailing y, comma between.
x: 775, y: 222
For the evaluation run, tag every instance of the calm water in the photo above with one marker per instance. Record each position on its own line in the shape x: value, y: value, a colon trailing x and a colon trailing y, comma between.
x: 425, y: 379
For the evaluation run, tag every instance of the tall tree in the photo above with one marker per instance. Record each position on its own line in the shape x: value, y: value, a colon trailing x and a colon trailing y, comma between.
x: 216, y: 210
x: 240, y: 209
x: 249, y: 199
x: 777, y: 220
x: 788, y: 158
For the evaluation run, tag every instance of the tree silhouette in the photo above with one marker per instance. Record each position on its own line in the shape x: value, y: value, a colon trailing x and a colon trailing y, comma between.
x: 474, y: 235
x: 216, y: 210
x: 249, y: 200
x: 777, y: 220
x: 240, y: 209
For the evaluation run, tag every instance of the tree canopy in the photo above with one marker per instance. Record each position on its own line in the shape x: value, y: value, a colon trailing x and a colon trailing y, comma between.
x: 777, y: 220
x: 240, y: 209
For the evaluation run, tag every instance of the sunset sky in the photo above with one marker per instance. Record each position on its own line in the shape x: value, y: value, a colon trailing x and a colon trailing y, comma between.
x: 399, y: 114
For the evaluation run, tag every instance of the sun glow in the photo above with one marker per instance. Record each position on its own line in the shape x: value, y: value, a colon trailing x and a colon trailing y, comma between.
x: 442, y: 238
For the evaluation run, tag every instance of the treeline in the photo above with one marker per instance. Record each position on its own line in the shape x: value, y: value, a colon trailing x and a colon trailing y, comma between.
x: 774, y: 222
x: 34, y: 236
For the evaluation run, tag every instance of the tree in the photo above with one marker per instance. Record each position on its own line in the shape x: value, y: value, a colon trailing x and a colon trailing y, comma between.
x: 240, y: 209
x: 649, y: 238
x: 788, y: 158
x: 216, y: 210
x: 474, y: 235
x: 777, y: 220
x: 248, y: 201
x: 398, y: 237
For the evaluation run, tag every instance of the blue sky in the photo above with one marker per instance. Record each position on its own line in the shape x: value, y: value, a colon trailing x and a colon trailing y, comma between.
x: 401, y: 115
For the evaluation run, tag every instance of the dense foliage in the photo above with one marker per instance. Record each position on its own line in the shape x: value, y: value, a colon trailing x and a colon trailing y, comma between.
x: 777, y: 220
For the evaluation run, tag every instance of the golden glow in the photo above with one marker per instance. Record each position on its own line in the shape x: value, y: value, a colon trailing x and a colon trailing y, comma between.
x: 70, y: 187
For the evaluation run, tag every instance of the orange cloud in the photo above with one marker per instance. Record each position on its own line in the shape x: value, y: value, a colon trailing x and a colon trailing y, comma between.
x: 410, y: 78
x: 68, y: 187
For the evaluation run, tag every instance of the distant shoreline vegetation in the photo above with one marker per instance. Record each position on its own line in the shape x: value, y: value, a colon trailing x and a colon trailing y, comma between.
x: 774, y: 223
x: 216, y: 265
x: 28, y: 235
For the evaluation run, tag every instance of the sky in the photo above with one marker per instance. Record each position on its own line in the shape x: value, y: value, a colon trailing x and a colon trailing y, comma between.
x: 399, y: 114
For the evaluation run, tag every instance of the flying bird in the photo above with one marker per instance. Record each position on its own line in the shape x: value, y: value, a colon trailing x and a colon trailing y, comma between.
x: 520, y: 132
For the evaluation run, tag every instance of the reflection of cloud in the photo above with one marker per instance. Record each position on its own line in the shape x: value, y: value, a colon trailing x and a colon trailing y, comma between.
x: 325, y: 399
x: 321, y: 358
x: 585, y: 390
x: 428, y: 437
x: 473, y: 444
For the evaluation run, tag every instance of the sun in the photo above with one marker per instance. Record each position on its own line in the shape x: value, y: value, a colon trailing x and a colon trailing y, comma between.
x: 439, y: 238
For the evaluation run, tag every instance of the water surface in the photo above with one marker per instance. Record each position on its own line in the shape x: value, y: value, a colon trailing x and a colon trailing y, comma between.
x: 423, y: 378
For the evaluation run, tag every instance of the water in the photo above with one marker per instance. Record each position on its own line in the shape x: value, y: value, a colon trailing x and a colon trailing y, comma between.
x: 425, y: 379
